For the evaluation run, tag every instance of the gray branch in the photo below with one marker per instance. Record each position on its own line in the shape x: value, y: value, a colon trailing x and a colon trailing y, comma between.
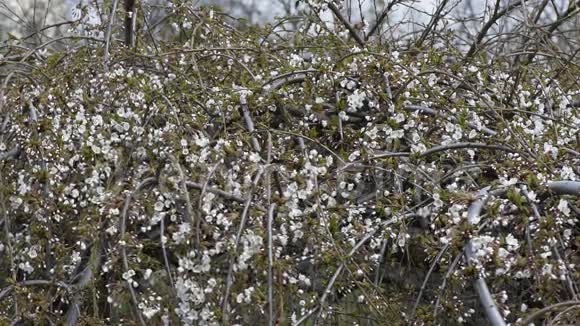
x: 491, y: 310
x: 565, y: 187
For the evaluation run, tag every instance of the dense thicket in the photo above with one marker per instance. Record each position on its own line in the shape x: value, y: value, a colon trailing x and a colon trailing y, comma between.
x: 235, y: 174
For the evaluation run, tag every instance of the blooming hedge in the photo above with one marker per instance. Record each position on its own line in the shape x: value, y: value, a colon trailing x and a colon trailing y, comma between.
x: 234, y: 176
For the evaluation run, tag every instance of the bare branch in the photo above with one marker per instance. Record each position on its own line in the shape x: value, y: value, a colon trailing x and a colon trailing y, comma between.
x: 548, y: 309
x: 6, y: 291
x: 565, y: 187
x: 465, y: 145
x: 381, y: 18
x: 130, y: 22
x: 270, y: 264
x: 219, y: 192
x: 243, y: 218
x: 122, y: 222
x: 497, y: 14
x: 491, y: 309
x: 346, y: 24
x: 424, y: 285
x: 432, y: 24
x: 10, y: 155
x: 109, y: 33
x: 432, y: 112
x: 249, y: 123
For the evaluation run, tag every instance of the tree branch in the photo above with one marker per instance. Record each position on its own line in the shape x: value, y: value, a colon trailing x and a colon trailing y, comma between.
x: 485, y: 298
x: 346, y: 24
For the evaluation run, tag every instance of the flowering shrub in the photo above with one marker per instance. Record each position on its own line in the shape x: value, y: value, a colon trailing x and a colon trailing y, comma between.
x: 231, y: 177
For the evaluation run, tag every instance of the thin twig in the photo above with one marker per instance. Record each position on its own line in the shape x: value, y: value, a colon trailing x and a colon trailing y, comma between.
x: 442, y: 148
x: 219, y: 192
x: 188, y: 205
x: 123, y: 222
x: 535, y: 210
x: 339, y: 270
x: 164, y: 251
x: 201, y: 195
x: 6, y: 291
x: 340, y: 131
x: 243, y: 218
x: 108, y: 33
x: 388, y: 86
x: 381, y: 18
x: 444, y: 284
x: 465, y: 145
x: 249, y: 122
x: 556, y: 319
x: 285, y: 79
x: 497, y: 14
x: 381, y: 260
x: 346, y: 24
x: 432, y: 112
x: 547, y: 309
x: 424, y: 285
x: 432, y: 23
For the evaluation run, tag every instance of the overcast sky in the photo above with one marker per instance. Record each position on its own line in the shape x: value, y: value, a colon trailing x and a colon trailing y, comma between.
x: 13, y: 12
